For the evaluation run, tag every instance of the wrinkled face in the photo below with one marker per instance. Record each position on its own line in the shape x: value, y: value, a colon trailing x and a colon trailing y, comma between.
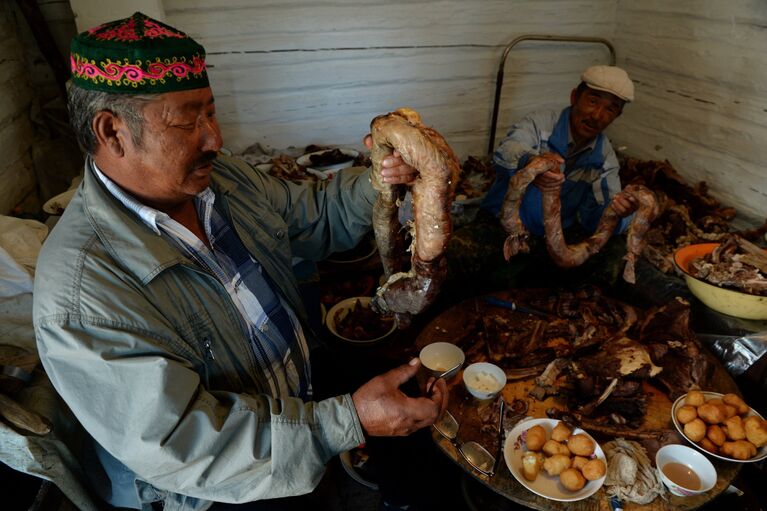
x: 180, y: 140
x: 592, y: 112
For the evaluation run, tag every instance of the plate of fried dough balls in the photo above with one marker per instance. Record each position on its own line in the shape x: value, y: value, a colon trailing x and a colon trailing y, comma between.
x: 721, y: 425
x: 555, y: 461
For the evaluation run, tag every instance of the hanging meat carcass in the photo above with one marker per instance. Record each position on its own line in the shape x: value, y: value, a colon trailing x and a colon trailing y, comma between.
x: 411, y: 292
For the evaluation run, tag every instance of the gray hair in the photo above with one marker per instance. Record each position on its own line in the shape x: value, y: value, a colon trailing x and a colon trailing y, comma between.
x: 84, y: 104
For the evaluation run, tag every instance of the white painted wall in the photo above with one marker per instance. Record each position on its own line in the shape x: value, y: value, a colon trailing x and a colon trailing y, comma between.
x: 295, y: 72
x: 91, y: 13
x: 700, y: 67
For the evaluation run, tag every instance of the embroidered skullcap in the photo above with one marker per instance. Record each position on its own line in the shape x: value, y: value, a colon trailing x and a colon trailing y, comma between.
x: 137, y: 55
x: 610, y: 79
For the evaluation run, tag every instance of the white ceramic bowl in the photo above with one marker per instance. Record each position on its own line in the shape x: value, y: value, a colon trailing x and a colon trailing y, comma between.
x: 340, y: 310
x: 484, y: 380
x: 438, y: 357
x: 691, y: 459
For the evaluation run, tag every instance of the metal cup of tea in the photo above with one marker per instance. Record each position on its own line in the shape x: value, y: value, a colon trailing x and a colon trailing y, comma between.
x: 442, y: 359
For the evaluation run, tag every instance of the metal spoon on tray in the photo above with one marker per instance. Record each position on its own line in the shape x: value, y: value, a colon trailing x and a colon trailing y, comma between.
x: 441, y: 376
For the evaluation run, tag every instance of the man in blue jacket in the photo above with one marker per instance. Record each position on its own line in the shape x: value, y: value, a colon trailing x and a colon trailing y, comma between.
x: 587, y: 177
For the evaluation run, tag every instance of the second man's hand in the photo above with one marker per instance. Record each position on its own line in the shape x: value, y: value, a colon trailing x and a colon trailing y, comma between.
x: 624, y: 204
x: 552, y: 178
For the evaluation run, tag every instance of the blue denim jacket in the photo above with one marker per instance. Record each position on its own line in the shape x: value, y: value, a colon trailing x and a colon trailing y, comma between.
x: 591, y: 176
x: 125, y: 325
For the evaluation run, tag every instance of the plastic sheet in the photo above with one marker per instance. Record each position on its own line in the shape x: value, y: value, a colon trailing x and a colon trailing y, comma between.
x: 738, y: 354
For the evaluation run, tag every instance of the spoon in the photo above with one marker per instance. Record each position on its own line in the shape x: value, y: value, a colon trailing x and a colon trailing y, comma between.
x: 441, y: 376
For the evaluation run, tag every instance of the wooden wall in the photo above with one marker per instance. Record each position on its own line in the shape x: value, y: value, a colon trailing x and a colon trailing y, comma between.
x: 17, y: 178
x: 295, y: 72
x: 700, y: 67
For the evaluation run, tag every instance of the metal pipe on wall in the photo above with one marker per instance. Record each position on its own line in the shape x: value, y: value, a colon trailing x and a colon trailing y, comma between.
x: 535, y: 37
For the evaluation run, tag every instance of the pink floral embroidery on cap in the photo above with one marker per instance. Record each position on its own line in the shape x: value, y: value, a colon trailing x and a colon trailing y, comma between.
x: 114, y: 71
x: 152, y: 30
x: 126, y: 32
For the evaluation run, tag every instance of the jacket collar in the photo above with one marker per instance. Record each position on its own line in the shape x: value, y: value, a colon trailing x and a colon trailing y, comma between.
x: 132, y: 243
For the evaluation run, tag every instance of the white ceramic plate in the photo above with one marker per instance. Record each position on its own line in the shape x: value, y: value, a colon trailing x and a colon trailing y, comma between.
x: 545, y: 485
x: 324, y: 171
x: 56, y: 205
x: 346, y: 462
x: 761, y: 453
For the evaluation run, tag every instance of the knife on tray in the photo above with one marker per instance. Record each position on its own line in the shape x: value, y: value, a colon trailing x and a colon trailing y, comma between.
x: 506, y: 304
x: 499, y: 451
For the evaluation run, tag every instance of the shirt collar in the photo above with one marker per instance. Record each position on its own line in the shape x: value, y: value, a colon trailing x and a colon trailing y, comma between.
x: 152, y: 217
x: 571, y: 143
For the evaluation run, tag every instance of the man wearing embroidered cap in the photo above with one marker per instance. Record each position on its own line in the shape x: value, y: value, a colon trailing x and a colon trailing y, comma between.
x: 166, y: 311
x: 583, y: 167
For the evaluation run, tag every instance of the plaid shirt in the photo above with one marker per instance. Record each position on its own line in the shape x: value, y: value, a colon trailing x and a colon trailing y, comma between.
x: 274, y: 331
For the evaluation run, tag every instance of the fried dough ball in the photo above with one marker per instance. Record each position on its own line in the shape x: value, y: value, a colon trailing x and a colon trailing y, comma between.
x: 531, y: 464
x: 695, y: 398
x: 715, y: 434
x: 535, y: 438
x: 716, y: 401
x: 712, y: 414
x: 556, y: 464
x: 695, y: 430
x: 552, y: 447
x: 709, y: 445
x: 734, y: 428
x: 686, y: 413
x: 737, y: 402
x: 579, y: 461
x: 594, y: 469
x: 572, y: 479
x: 756, y: 430
x: 581, y: 445
x: 739, y: 449
x: 561, y: 432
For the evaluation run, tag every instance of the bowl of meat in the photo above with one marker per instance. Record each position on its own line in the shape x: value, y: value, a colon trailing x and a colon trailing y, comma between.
x: 729, y: 277
x: 353, y: 321
x: 324, y: 164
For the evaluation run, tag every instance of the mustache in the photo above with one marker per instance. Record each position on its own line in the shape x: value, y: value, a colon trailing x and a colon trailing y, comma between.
x: 205, y: 159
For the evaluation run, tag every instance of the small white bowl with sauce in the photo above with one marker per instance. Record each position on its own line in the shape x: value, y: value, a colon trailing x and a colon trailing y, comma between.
x: 484, y: 380
x: 684, y: 471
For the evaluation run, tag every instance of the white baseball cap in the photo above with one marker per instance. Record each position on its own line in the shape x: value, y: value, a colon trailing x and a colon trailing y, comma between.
x: 610, y: 79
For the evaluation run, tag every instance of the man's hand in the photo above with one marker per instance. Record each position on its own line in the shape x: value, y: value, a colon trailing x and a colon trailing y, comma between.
x: 394, y: 170
x: 385, y: 411
x: 552, y: 179
x: 624, y: 204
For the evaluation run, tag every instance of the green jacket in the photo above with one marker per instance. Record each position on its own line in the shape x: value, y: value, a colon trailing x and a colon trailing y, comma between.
x: 148, y: 350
